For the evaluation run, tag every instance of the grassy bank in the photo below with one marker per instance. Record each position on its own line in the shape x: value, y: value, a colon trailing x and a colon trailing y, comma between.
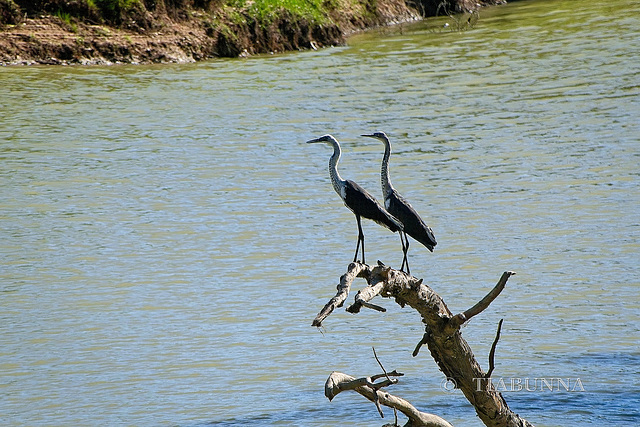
x: 143, y: 31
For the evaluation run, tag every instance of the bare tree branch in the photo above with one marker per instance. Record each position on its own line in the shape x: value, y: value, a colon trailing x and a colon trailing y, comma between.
x: 367, y: 294
x: 338, y: 382
x: 353, y: 270
x: 442, y: 336
x: 492, y: 353
x: 460, y: 318
x: 422, y: 342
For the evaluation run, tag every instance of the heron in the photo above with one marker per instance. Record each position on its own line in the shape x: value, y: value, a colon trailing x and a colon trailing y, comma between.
x: 356, y: 198
x: 400, y: 208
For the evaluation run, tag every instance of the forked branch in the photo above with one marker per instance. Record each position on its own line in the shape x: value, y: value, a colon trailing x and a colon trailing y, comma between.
x: 442, y: 336
x: 460, y: 318
x: 366, y: 386
x: 353, y: 270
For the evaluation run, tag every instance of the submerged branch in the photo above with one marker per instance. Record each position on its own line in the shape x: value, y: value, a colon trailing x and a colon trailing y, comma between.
x: 365, y: 386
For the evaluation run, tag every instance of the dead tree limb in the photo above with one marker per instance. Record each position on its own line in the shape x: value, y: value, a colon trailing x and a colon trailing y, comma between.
x: 492, y: 353
x: 442, y: 334
x: 460, y: 318
x: 367, y: 387
x: 353, y: 270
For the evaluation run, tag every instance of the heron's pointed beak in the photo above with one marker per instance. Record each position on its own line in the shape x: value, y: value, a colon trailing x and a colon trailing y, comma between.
x: 327, y: 139
x: 368, y: 135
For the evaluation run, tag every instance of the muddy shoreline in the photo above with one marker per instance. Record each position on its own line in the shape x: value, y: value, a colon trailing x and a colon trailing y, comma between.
x: 52, y: 40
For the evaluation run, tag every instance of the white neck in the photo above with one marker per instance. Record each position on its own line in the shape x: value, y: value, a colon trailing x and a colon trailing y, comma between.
x: 336, y: 179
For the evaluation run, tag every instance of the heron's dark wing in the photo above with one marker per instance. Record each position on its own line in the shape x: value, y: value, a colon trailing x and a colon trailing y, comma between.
x: 414, y: 226
x: 364, y: 204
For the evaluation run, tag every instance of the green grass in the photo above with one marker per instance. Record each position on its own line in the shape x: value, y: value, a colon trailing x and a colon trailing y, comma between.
x: 267, y: 11
x: 67, y: 19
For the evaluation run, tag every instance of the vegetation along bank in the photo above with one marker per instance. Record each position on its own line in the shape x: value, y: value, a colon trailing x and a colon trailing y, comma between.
x: 156, y: 31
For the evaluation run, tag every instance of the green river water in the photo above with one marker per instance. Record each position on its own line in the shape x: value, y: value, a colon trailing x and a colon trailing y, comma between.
x: 167, y: 236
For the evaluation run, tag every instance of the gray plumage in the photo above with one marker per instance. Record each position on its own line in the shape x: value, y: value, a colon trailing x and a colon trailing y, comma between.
x: 356, y: 198
x: 400, y: 208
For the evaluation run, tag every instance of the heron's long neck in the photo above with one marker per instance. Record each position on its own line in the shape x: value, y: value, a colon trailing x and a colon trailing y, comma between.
x: 336, y: 180
x: 387, y: 188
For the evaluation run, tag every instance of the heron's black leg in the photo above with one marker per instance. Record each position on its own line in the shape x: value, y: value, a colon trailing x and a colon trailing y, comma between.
x: 360, y: 239
x: 403, y: 251
x: 406, y: 252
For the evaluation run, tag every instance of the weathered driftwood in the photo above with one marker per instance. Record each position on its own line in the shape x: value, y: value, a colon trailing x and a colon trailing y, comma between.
x: 368, y: 388
x: 442, y: 333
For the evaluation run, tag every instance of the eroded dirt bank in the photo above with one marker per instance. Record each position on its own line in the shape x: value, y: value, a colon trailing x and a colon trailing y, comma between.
x: 162, y: 36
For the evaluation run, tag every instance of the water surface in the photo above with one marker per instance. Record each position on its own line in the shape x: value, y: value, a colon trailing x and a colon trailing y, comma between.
x: 168, y: 237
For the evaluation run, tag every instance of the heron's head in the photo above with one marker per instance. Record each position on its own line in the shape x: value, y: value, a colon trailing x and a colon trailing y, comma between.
x: 377, y: 135
x: 327, y: 139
